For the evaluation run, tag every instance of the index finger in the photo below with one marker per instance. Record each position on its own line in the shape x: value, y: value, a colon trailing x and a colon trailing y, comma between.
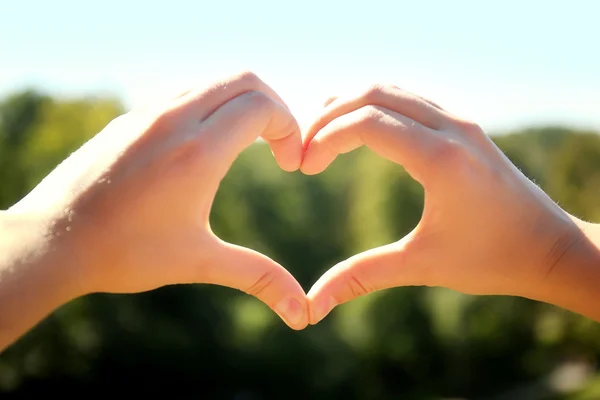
x: 388, y: 133
x: 202, y: 103
x: 239, y: 122
x: 243, y: 95
x: 393, y: 98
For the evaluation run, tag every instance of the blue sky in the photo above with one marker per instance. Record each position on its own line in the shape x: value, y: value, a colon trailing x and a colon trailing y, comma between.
x: 504, y: 64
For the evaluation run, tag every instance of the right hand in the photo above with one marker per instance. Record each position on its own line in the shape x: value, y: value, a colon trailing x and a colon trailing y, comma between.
x: 485, y: 228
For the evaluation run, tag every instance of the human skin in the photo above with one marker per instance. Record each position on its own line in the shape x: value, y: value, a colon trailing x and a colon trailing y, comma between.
x: 486, y: 229
x: 129, y: 211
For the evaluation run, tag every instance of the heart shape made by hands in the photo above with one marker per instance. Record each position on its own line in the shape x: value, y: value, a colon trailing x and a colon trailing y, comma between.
x: 125, y: 212
x: 137, y: 206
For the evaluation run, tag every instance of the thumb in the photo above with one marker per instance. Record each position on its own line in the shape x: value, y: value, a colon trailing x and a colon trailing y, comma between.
x: 395, y: 264
x: 258, y: 275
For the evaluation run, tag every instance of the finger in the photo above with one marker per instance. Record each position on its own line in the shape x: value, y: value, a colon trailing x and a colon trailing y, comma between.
x: 381, y: 268
x: 389, y: 134
x: 256, y: 274
x: 238, y: 123
x: 202, y: 103
x: 390, y: 97
x: 431, y: 102
x: 422, y: 98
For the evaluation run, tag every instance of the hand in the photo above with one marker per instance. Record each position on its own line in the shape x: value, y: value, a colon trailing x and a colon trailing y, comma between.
x: 131, y: 207
x: 485, y: 228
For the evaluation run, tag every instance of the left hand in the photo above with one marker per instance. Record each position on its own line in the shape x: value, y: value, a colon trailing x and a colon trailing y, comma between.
x: 129, y: 211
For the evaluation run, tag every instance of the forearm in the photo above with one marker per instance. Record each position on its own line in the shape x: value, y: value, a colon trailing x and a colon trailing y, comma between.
x: 574, y: 282
x: 32, y: 280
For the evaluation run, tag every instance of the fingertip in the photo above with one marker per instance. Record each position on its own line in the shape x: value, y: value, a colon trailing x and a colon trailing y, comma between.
x: 306, y: 170
x: 287, y: 155
x: 320, y: 307
x: 287, y: 150
x: 320, y: 299
x: 288, y: 163
x: 294, y: 312
x: 257, y: 275
x: 314, y: 161
x: 292, y: 305
x: 289, y: 168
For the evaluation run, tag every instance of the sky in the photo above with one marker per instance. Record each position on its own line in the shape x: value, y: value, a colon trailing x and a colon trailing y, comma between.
x: 503, y: 64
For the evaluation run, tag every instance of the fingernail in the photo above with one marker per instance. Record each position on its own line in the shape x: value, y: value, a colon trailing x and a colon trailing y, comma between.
x: 290, y: 310
x: 323, y: 308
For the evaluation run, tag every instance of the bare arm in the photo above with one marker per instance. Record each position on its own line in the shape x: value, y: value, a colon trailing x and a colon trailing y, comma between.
x: 33, y: 275
x: 129, y: 211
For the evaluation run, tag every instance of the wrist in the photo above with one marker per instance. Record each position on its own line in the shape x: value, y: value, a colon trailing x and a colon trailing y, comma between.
x: 573, y: 280
x: 35, y: 274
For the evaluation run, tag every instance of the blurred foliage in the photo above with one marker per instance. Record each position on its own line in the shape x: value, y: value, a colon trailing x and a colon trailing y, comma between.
x: 215, y: 342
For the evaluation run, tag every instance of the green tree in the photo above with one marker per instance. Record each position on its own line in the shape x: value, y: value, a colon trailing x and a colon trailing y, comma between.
x: 215, y: 342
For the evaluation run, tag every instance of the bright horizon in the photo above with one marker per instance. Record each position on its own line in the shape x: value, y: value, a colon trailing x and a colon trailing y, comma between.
x: 505, y: 66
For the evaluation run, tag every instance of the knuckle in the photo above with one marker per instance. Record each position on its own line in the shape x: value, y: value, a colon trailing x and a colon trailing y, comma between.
x: 449, y: 152
x: 262, y: 283
x: 373, y: 92
x: 370, y: 116
x: 469, y: 128
x: 357, y: 287
x: 248, y: 78
x: 164, y: 120
x: 255, y: 100
x: 257, y: 97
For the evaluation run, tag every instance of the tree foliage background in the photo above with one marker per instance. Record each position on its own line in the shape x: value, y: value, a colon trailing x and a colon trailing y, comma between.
x: 205, y: 341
